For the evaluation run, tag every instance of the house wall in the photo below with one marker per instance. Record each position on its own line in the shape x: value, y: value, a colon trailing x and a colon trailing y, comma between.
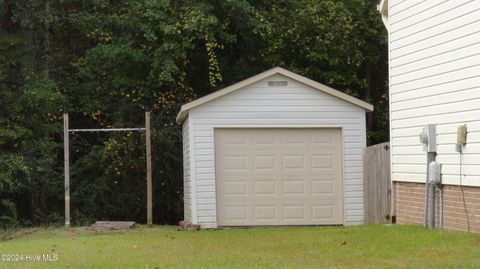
x: 434, y: 51
x: 461, y: 206
x: 187, y: 186
x: 263, y: 106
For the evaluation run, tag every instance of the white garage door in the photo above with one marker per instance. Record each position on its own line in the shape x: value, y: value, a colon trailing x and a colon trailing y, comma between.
x: 278, y: 176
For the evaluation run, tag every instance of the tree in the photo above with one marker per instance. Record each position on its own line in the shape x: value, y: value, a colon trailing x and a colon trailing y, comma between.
x: 29, y: 105
x: 339, y: 43
x: 106, y: 62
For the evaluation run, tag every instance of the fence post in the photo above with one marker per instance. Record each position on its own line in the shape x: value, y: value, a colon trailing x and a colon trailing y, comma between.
x: 149, y: 167
x: 66, y: 167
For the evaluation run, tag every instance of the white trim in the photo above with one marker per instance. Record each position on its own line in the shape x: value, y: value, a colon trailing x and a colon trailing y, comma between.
x: 215, y: 173
x: 390, y: 133
x: 344, y: 189
x: 193, y: 173
x: 266, y: 126
x: 383, y: 8
x: 277, y: 70
x: 364, y: 144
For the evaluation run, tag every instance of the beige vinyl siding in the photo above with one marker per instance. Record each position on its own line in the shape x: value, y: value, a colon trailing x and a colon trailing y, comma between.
x: 434, y: 51
x: 187, y: 185
x: 258, y: 105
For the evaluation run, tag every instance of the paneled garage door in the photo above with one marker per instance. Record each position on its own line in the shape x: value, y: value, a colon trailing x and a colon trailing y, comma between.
x: 278, y: 176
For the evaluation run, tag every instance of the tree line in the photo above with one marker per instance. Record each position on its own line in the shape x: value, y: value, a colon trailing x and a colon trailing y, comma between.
x: 105, y: 62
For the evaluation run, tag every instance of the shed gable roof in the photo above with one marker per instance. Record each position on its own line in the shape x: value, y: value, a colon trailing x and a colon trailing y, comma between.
x: 182, y: 115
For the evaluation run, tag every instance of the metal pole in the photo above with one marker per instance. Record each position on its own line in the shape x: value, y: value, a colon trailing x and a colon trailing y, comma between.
x: 107, y: 130
x: 431, y: 205
x: 149, y: 167
x: 425, y: 211
x: 431, y: 148
x: 440, y: 221
x: 66, y: 163
x: 429, y: 195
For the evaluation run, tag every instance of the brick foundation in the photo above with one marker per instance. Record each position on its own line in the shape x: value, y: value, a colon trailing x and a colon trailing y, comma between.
x: 461, y: 209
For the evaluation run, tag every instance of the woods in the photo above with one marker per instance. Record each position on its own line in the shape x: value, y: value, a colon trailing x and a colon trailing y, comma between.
x: 107, y: 62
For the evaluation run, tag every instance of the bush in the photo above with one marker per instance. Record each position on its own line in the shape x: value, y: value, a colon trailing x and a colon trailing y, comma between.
x: 8, y: 214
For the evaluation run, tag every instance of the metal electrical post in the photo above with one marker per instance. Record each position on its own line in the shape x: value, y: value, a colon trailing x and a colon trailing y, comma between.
x: 431, y: 192
x: 429, y: 195
x: 429, y: 138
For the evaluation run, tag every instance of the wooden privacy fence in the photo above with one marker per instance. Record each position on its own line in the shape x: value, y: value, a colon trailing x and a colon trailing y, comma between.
x: 377, y: 186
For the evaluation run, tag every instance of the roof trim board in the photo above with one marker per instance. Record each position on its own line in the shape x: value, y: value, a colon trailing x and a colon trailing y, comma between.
x: 382, y: 7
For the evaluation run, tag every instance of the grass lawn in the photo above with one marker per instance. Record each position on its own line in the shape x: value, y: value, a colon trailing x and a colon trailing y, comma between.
x: 302, y: 247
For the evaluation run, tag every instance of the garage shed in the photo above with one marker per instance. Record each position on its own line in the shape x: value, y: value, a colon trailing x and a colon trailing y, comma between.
x: 274, y: 149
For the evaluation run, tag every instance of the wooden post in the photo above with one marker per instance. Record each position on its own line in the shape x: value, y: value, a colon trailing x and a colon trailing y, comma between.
x: 149, y: 167
x: 66, y: 162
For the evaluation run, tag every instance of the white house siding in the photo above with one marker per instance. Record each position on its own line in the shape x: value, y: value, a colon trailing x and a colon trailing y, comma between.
x: 259, y: 105
x: 434, y: 51
x: 186, y: 172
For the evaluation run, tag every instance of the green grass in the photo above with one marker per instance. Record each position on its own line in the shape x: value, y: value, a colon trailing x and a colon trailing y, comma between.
x: 301, y: 247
